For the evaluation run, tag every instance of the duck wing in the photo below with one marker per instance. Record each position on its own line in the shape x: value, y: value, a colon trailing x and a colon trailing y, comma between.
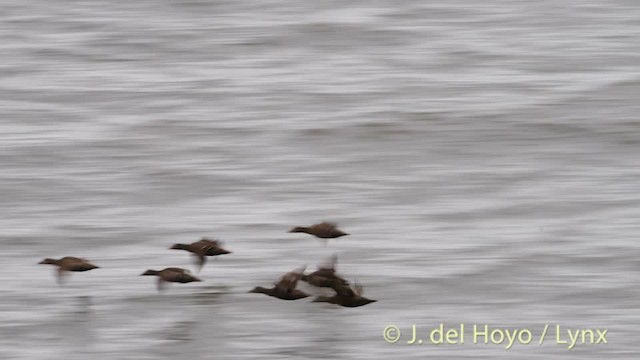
x: 61, y: 275
x: 209, y: 242
x: 72, y: 259
x: 327, y: 230
x: 327, y: 269
x: 289, y: 280
x: 327, y: 225
x: 358, y: 288
x: 329, y: 264
x: 160, y: 284
x: 209, y: 247
x: 200, y: 259
x: 176, y: 270
x: 344, y: 291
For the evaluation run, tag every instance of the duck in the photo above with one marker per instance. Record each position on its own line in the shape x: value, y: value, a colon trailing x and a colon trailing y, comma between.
x: 346, y: 296
x: 171, y: 274
x: 69, y: 263
x: 201, y: 249
x: 285, y: 288
x: 326, y: 275
x: 323, y: 230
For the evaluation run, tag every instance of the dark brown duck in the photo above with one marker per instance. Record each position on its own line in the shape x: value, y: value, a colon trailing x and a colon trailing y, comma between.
x: 324, y: 230
x: 201, y: 249
x: 326, y: 275
x: 171, y: 274
x: 69, y: 263
x: 285, y: 289
x: 346, y: 296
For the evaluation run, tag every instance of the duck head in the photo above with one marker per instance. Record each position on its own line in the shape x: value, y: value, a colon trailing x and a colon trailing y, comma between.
x: 49, y: 261
x: 260, y: 290
x: 299, y: 229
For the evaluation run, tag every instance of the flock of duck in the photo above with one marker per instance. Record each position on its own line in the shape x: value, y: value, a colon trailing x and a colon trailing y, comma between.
x: 285, y: 288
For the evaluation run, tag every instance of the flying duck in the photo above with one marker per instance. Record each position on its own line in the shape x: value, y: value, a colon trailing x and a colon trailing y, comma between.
x: 346, y: 296
x: 323, y: 230
x: 201, y: 249
x: 171, y: 274
x: 69, y: 263
x: 285, y: 289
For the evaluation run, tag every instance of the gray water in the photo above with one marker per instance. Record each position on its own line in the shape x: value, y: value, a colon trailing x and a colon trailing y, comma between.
x: 482, y: 155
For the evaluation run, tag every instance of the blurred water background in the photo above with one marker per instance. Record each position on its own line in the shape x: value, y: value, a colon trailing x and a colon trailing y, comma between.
x: 483, y: 155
